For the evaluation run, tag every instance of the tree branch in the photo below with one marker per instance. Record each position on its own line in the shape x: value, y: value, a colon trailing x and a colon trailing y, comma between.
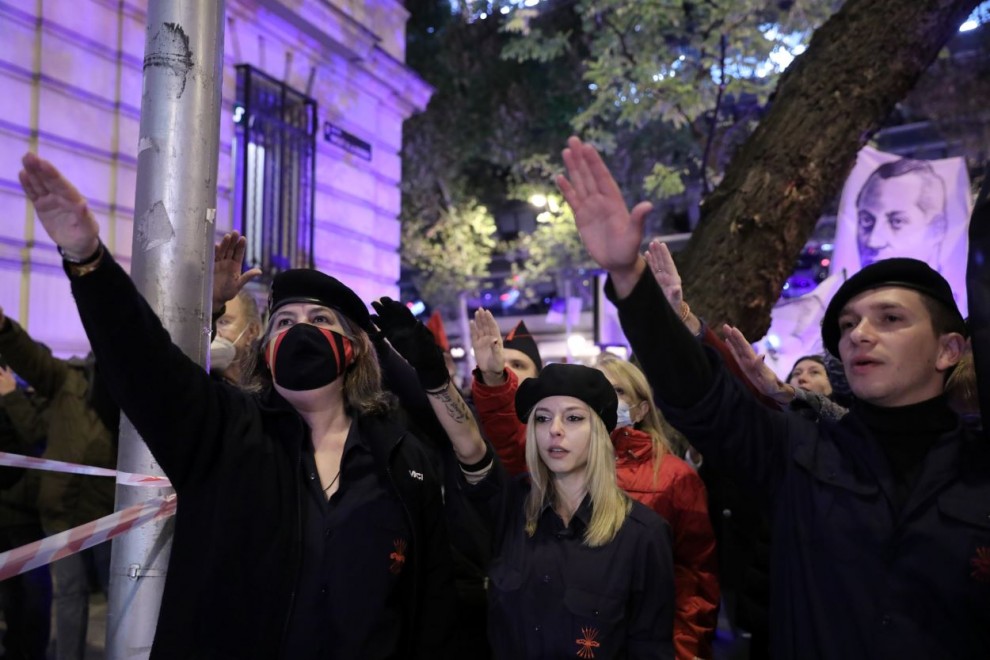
x: 705, y: 183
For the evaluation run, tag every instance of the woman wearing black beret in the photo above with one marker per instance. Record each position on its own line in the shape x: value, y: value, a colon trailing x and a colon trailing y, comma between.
x: 309, y: 524
x: 580, y: 569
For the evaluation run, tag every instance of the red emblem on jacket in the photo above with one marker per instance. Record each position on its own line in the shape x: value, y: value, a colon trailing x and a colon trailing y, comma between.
x: 981, y: 565
x: 398, y: 557
x: 587, y: 643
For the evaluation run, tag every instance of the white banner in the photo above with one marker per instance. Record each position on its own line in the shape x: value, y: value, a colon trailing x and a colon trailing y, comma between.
x: 899, y: 207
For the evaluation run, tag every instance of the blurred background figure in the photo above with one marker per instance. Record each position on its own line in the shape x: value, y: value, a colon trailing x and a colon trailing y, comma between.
x: 26, y: 599
x: 82, y: 428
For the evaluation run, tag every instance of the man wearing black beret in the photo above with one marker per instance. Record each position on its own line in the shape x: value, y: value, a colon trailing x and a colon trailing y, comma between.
x: 881, y: 520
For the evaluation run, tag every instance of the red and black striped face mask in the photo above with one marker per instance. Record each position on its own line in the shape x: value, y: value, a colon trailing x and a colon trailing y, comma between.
x: 306, y: 357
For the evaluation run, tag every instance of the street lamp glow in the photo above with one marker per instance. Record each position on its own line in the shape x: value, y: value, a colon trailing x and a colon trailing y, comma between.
x: 969, y: 25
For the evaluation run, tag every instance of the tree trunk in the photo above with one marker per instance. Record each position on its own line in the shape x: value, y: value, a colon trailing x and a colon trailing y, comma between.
x: 831, y: 99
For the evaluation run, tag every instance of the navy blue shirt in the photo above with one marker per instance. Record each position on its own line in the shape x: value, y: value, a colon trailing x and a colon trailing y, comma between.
x: 552, y: 596
x: 354, y: 543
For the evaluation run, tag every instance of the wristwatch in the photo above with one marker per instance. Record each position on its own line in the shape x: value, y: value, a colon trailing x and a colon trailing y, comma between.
x: 80, y: 267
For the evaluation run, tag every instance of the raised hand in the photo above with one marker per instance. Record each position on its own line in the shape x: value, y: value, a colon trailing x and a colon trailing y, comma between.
x: 661, y: 264
x: 664, y: 271
x: 62, y: 210
x: 7, y: 381
x: 611, y: 234
x: 755, y: 369
x: 413, y: 341
x: 228, y: 259
x: 486, y: 339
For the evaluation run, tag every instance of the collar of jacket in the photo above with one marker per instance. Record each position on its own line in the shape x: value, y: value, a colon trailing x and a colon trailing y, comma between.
x: 380, y: 433
x: 632, y: 445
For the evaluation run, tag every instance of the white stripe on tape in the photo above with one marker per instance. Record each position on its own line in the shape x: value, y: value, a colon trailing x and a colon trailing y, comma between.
x: 125, y: 478
x: 17, y: 561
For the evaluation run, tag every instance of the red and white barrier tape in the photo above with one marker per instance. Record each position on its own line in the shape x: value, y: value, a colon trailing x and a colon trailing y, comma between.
x: 53, y: 548
x: 126, y: 478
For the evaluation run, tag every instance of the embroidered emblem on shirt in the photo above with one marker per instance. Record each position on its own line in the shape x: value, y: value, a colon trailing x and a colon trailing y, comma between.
x: 398, y: 557
x: 416, y: 475
x: 587, y: 643
x: 981, y: 565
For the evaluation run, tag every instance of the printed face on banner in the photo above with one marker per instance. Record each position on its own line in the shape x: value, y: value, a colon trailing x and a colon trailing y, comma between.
x: 901, y: 213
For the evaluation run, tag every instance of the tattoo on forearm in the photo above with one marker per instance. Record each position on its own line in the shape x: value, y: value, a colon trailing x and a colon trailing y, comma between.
x: 456, y: 409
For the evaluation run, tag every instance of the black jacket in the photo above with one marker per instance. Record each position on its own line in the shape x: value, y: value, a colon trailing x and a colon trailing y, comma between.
x: 235, y: 462
x: 854, y: 575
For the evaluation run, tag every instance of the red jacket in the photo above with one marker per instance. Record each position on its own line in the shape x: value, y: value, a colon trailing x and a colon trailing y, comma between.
x: 677, y: 494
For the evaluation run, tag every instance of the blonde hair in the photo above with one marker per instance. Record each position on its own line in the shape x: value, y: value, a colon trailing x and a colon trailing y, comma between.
x: 609, y: 505
x: 632, y: 381
x: 362, y: 391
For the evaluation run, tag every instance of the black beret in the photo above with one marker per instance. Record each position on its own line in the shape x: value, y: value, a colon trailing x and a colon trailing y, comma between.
x: 311, y: 286
x: 521, y: 340
x: 897, y: 272
x: 589, y: 385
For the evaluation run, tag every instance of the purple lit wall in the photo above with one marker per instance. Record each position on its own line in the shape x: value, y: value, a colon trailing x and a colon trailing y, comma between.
x: 70, y: 86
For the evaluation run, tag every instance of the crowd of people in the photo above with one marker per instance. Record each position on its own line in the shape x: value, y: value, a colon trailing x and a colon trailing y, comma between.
x: 341, y: 497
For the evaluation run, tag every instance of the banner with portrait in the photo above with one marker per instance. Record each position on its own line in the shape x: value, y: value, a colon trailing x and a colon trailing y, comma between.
x: 900, y: 207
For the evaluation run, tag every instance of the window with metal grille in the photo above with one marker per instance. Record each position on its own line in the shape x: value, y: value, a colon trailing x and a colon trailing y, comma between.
x: 274, y: 171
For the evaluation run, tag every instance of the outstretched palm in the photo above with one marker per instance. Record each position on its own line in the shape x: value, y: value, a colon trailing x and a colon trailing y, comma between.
x: 228, y: 259
x: 62, y: 210
x: 611, y: 234
x: 486, y: 339
x: 661, y: 263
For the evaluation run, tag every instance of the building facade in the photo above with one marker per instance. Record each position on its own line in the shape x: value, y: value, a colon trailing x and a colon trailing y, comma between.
x: 70, y: 90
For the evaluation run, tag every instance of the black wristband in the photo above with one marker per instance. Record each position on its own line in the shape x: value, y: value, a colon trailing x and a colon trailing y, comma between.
x: 480, y: 465
x: 82, y: 262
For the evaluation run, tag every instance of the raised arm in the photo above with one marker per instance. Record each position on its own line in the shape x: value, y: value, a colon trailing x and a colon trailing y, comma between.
x: 672, y: 359
x: 32, y: 360
x: 762, y: 377
x: 697, y: 397
x: 413, y: 341
x: 28, y: 425
x: 170, y: 399
x: 228, y: 261
x: 494, y: 394
x: 661, y: 264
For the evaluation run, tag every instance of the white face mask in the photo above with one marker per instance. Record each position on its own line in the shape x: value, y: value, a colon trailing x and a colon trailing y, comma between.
x: 223, y: 351
x: 623, y: 416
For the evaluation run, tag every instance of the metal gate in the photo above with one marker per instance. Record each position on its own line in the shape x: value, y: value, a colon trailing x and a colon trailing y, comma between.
x: 274, y: 171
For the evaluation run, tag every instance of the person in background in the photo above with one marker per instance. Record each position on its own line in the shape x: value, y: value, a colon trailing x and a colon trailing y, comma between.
x: 810, y: 375
x: 82, y: 429
x: 649, y: 472
x: 580, y: 569
x: 236, y: 319
x: 502, y: 366
x: 26, y: 599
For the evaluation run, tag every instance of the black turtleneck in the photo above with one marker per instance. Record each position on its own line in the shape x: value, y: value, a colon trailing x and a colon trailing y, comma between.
x: 905, y: 434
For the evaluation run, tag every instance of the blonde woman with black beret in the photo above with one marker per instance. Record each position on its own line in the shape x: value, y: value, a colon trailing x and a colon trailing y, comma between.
x: 580, y: 569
